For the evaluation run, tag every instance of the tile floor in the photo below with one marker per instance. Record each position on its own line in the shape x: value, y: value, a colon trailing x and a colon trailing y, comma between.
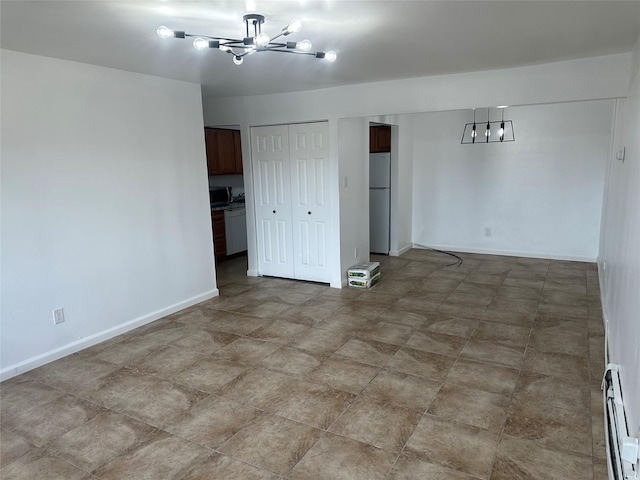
x: 489, y: 370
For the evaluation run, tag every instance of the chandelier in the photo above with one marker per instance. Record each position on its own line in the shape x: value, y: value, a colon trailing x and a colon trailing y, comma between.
x: 254, y: 41
x: 503, y: 130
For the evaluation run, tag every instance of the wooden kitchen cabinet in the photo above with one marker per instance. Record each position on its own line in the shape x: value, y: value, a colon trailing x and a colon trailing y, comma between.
x: 224, y: 151
x: 219, y: 234
x: 379, y: 139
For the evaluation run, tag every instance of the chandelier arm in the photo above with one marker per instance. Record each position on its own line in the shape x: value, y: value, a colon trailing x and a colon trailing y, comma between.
x: 210, y: 37
x: 292, y: 51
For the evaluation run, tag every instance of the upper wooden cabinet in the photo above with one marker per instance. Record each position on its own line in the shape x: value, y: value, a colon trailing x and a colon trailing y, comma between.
x: 224, y: 151
x: 379, y: 139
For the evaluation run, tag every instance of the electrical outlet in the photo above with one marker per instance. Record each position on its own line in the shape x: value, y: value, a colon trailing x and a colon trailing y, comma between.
x: 487, y: 231
x: 346, y: 182
x: 355, y: 253
x: 58, y: 316
x: 604, y: 265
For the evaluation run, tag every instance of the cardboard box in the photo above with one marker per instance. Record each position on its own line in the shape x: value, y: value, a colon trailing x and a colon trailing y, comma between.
x: 360, y: 282
x: 364, y: 270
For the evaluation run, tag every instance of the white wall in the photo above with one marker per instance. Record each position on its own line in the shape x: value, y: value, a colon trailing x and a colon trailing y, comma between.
x: 104, y: 205
x: 575, y: 80
x: 620, y: 249
x: 540, y: 195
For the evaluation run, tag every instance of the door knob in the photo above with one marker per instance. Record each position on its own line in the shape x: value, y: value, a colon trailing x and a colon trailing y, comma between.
x: 274, y: 211
x: 309, y: 213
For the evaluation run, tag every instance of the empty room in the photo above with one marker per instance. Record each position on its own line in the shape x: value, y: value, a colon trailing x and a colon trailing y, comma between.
x: 323, y: 239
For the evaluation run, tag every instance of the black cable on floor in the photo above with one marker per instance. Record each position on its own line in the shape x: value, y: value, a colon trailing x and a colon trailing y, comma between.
x: 457, y: 263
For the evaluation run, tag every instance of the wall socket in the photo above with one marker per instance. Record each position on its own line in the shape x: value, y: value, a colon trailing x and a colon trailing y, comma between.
x: 355, y: 253
x: 487, y: 231
x: 58, y: 316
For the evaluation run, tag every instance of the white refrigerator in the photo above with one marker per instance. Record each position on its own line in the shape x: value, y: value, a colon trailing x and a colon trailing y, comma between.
x: 379, y: 202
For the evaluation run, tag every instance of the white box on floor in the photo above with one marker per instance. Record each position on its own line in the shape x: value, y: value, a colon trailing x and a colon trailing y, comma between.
x: 364, y: 270
x: 361, y: 282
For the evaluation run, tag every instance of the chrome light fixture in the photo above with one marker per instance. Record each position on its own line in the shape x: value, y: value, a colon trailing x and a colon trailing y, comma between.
x: 504, y: 132
x: 254, y: 41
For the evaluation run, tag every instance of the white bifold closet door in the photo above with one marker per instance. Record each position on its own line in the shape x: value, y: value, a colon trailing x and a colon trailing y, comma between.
x: 290, y: 168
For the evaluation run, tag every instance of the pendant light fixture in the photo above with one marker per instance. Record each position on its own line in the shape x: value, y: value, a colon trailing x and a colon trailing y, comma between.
x: 487, y: 132
x: 254, y: 41
x: 504, y: 133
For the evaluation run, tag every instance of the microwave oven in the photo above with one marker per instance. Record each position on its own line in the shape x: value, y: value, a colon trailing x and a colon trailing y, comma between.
x: 219, y: 196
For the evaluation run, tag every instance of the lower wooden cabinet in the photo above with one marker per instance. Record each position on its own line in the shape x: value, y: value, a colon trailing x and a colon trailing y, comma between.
x: 219, y: 234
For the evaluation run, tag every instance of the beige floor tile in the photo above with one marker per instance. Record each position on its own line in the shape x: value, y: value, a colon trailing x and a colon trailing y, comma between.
x: 74, y: 373
x: 43, y: 423
x: 292, y: 361
x: 377, y: 423
x: 460, y: 447
x: 409, y: 467
x: 204, y: 341
x: 554, y: 391
x: 40, y: 464
x: 334, y: 458
x: 313, y: 404
x: 272, y: 443
x: 418, y: 362
x: 212, y: 421
x: 344, y: 374
x: 160, y: 455
x: 461, y: 327
x: 279, y: 331
x: 368, y: 351
x: 12, y: 447
x: 166, y: 361
x: 486, y: 351
x: 386, y: 332
x: 403, y: 390
x: 483, y: 376
x: 574, y: 369
x: 543, y: 341
x: 471, y: 406
x: 258, y: 387
x: 247, y: 351
x: 320, y: 342
x: 527, y: 459
x: 209, y: 373
x: 21, y: 397
x: 502, y: 334
x: 551, y: 426
x: 434, y: 342
x: 103, y: 437
x: 225, y: 467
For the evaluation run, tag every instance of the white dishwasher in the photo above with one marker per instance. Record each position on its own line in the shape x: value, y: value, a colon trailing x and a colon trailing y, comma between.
x: 235, y: 225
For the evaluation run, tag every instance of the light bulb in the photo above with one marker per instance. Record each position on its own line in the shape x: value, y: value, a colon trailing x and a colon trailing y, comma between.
x: 262, y: 40
x: 238, y: 60
x: 224, y: 48
x: 250, y: 50
x: 200, y: 43
x: 164, y: 32
x: 330, y: 56
x: 474, y: 134
x: 294, y: 26
x: 304, y: 45
x: 487, y: 132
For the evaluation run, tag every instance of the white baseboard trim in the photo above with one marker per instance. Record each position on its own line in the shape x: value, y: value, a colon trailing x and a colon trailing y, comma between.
x: 252, y: 273
x: 397, y: 253
x: 73, y: 347
x: 509, y: 253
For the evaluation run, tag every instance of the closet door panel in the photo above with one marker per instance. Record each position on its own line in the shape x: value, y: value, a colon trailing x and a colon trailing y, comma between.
x: 309, y: 155
x: 272, y: 183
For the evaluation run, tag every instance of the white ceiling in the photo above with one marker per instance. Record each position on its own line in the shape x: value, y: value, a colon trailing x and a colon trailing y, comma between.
x: 375, y: 40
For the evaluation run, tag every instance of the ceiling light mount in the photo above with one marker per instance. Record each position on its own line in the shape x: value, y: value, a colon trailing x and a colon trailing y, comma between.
x: 254, y: 41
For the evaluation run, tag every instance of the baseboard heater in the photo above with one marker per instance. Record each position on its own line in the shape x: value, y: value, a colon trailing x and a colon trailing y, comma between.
x: 622, y: 449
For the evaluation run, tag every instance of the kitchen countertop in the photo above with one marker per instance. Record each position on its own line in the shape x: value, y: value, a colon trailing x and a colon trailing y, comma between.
x: 228, y: 206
